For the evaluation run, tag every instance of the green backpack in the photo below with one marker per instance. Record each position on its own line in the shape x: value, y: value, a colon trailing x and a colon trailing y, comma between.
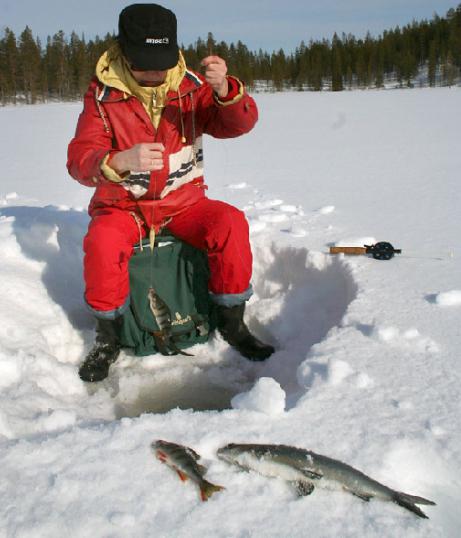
x: 178, y: 272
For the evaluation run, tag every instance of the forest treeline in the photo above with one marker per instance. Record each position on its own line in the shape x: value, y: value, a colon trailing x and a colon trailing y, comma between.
x: 426, y: 53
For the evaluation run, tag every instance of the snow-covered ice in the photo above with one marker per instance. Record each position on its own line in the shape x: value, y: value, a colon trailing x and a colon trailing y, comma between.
x: 366, y: 368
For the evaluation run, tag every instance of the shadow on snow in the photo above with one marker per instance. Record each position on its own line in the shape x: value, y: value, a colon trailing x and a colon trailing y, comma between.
x: 48, y: 234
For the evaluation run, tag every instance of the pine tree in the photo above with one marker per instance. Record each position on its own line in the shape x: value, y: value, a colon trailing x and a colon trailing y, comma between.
x: 449, y: 71
x: 9, y: 67
x: 243, y: 63
x: 59, y: 73
x: 302, y: 66
x: 336, y: 65
x: 78, y: 64
x: 278, y: 63
x: 29, y: 66
x: 432, y: 63
x: 210, y: 44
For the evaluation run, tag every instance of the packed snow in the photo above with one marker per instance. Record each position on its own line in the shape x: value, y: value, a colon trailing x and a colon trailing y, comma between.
x: 449, y: 298
x: 266, y: 396
x: 366, y: 368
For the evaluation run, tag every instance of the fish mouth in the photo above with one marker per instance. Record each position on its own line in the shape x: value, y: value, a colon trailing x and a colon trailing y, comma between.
x: 160, y: 443
x: 226, y: 453
x: 226, y: 448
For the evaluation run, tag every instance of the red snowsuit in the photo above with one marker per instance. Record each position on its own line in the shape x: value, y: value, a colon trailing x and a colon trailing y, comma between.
x: 121, y: 213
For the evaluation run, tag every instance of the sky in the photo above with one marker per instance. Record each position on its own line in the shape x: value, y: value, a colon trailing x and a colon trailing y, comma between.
x: 269, y: 24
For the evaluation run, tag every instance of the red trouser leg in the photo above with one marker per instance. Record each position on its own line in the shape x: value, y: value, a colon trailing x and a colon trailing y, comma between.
x: 108, y: 247
x: 217, y: 227
x: 221, y: 230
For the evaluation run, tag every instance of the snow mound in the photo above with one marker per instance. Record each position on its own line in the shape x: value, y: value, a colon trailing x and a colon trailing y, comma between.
x: 449, y: 298
x: 267, y: 396
x: 326, y: 210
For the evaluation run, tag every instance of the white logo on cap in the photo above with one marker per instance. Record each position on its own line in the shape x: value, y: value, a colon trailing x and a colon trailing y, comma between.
x: 157, y: 40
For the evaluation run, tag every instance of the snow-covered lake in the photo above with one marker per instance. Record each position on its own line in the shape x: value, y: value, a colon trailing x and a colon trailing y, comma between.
x: 367, y: 368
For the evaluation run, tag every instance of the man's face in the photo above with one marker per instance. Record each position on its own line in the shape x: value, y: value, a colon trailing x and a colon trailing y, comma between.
x: 148, y: 78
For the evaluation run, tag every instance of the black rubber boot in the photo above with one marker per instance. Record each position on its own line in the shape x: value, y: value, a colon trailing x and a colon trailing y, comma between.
x: 235, y: 332
x: 104, y: 352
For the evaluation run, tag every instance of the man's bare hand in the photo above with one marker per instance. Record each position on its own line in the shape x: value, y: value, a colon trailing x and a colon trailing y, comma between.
x: 215, y: 74
x: 139, y: 158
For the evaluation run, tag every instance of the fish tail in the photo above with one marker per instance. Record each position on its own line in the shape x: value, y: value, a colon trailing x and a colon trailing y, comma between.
x: 410, y: 501
x: 178, y: 351
x: 207, y: 489
x: 159, y: 339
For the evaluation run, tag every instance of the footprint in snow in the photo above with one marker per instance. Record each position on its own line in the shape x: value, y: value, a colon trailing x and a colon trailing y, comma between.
x: 273, y: 217
x: 287, y: 208
x: 268, y: 204
x: 237, y: 186
x: 275, y: 211
x: 393, y: 336
x: 295, y: 231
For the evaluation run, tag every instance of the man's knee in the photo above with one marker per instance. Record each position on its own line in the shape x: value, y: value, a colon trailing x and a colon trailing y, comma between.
x: 232, y: 220
x: 109, y: 234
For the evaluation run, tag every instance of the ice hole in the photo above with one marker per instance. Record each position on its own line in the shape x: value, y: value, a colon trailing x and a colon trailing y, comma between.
x: 299, y: 297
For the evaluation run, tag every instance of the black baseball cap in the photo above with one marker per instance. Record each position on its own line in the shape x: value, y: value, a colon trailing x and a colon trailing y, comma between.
x: 147, y: 34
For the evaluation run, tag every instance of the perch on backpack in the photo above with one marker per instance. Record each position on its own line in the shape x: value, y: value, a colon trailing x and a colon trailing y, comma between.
x: 162, y: 315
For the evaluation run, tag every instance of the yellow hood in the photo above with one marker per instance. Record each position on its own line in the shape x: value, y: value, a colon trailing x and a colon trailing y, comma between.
x: 112, y: 70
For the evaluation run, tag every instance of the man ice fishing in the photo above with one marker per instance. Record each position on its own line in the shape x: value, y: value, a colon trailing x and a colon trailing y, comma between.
x: 139, y: 143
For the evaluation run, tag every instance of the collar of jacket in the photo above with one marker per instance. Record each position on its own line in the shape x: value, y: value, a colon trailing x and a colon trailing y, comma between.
x: 113, y: 73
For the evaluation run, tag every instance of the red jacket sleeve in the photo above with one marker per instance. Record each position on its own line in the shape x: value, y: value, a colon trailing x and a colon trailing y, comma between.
x: 91, y: 143
x: 230, y: 117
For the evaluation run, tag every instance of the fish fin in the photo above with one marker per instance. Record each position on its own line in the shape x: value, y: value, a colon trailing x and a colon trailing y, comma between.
x: 417, y: 500
x: 207, y: 489
x: 408, y: 502
x: 192, y: 453
x: 312, y: 474
x: 202, y: 468
x: 303, y: 487
x: 161, y: 456
x: 364, y: 496
x: 183, y: 476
